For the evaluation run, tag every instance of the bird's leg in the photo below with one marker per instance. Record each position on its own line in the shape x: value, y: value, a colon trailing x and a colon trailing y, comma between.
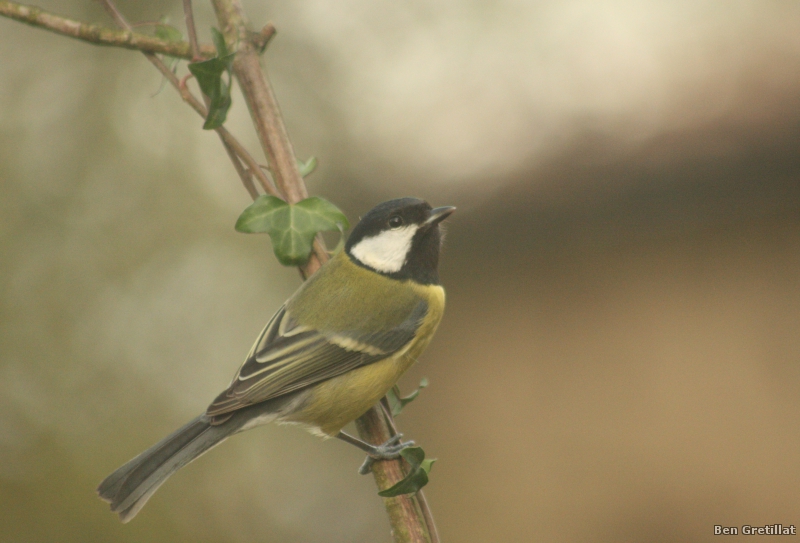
x: 388, y: 451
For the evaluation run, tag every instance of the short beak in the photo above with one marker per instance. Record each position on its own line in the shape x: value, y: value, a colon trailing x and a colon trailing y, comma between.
x: 439, y: 214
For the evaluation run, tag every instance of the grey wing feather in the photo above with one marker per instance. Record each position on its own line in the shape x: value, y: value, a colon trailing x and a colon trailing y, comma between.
x: 287, y: 357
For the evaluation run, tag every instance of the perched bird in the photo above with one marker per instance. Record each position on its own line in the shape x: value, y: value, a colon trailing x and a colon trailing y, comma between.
x: 330, y: 353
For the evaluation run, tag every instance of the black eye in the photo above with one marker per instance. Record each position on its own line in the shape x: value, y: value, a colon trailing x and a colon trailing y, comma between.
x: 395, y: 222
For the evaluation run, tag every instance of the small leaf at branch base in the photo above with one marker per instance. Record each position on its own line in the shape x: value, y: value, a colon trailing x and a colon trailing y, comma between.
x: 307, y: 167
x: 397, y: 402
x: 417, y: 476
x: 291, y: 227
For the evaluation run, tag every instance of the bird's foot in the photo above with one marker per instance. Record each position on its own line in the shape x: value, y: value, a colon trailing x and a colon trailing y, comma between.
x: 388, y: 451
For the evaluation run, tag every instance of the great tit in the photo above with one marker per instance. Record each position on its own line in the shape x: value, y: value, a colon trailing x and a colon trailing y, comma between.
x: 330, y: 353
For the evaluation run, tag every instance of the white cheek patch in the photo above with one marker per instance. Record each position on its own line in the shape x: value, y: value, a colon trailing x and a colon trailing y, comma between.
x: 387, y: 251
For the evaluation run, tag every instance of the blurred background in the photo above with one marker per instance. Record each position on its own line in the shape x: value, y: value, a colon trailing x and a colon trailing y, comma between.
x: 620, y: 358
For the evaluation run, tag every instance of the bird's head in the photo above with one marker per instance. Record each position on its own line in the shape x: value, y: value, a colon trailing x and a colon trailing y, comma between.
x: 400, y: 239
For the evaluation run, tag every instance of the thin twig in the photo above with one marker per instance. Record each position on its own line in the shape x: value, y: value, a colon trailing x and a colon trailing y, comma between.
x: 232, y: 145
x: 234, y: 149
x: 433, y: 531
x: 387, y: 414
x: 261, y: 39
x: 97, y: 34
x: 190, y: 28
x: 243, y: 172
x: 247, y: 158
x: 115, y: 14
x: 227, y: 138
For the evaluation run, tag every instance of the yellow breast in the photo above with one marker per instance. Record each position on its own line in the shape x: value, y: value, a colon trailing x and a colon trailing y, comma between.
x: 334, y: 403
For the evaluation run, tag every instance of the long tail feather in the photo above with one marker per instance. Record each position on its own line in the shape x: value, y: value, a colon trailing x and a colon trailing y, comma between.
x: 129, y: 488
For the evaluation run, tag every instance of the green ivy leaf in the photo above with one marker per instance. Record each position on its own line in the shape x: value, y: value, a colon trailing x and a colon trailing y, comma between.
x: 307, y: 167
x: 291, y: 227
x: 218, y: 109
x: 417, y: 476
x: 397, y: 402
x: 209, y: 76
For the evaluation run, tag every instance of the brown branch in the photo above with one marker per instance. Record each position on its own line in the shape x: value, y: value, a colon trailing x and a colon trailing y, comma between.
x: 405, y: 516
x: 423, y: 501
x: 265, y: 114
x: 97, y: 34
x: 190, y: 28
x: 261, y: 101
x: 261, y: 39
